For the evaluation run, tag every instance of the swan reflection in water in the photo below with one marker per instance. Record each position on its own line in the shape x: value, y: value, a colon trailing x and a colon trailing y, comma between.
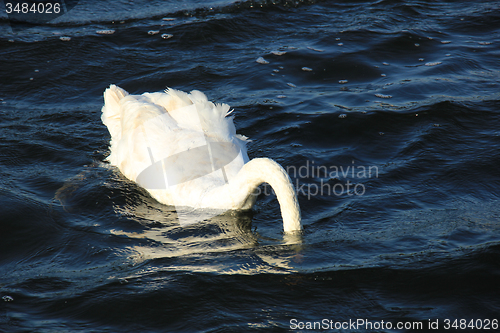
x: 128, y: 211
x: 227, y: 232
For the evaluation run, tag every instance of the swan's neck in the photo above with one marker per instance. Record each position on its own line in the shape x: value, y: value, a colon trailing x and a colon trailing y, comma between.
x: 265, y: 170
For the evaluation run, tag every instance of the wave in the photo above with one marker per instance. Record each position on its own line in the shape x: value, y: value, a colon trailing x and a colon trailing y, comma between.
x: 76, y: 13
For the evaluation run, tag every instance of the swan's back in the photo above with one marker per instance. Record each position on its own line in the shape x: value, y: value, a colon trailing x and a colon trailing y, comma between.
x: 187, y: 137
x: 210, y: 118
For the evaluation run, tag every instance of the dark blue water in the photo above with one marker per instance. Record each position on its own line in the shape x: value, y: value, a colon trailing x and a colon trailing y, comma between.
x: 385, y: 113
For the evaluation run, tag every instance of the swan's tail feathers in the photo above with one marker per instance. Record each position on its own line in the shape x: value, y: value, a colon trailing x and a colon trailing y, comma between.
x: 111, y: 111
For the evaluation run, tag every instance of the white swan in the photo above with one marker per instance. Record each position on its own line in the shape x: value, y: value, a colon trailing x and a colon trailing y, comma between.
x: 185, y: 151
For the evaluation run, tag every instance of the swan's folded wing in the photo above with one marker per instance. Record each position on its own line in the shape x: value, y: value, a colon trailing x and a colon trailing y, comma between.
x: 139, y: 132
x: 111, y: 111
x: 170, y: 100
x: 140, y: 111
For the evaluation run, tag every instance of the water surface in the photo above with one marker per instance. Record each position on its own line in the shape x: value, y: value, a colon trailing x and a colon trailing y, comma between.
x: 408, y: 90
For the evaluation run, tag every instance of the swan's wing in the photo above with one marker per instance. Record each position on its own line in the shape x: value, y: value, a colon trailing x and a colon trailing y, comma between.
x: 170, y: 100
x: 195, y: 112
x: 111, y: 111
x: 141, y: 131
x: 121, y: 110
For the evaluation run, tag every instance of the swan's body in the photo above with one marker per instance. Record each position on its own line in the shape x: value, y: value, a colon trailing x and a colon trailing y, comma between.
x: 185, y: 151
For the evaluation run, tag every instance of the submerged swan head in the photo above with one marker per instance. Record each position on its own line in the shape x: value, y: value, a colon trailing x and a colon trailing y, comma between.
x: 265, y: 170
x: 184, y: 151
